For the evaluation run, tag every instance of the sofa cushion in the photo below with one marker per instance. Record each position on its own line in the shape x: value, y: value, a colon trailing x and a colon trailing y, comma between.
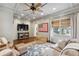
x: 15, y: 52
x: 62, y: 43
x: 21, y: 47
x: 4, y: 40
x: 70, y: 52
x: 6, y: 52
x: 17, y: 46
x: 74, y: 41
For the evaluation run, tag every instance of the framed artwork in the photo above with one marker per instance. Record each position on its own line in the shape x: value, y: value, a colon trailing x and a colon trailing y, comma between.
x: 43, y: 27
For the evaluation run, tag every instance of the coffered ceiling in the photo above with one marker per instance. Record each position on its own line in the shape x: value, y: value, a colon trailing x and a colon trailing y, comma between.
x: 49, y: 8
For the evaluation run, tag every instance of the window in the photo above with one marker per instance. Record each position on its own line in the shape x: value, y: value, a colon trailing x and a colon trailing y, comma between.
x: 61, y: 27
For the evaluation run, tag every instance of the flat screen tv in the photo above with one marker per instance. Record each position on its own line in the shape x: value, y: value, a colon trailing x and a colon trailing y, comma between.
x: 23, y: 27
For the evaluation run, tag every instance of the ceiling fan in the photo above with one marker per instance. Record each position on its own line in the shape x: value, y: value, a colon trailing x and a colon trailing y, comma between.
x: 35, y: 7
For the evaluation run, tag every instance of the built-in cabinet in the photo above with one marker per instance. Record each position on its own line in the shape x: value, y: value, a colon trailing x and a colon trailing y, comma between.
x: 22, y: 31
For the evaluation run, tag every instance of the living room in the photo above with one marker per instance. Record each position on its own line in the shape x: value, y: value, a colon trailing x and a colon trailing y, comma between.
x: 42, y: 25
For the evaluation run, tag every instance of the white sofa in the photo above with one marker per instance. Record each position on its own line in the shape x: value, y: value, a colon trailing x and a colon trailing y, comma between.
x: 61, y: 48
x: 71, y: 50
x: 5, y: 48
x: 6, y: 52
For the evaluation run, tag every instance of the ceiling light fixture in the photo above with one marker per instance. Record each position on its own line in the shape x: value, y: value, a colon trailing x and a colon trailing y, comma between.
x: 42, y: 13
x: 22, y: 14
x: 54, y: 8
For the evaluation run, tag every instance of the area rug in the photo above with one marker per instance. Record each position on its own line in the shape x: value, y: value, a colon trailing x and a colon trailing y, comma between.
x: 39, y: 50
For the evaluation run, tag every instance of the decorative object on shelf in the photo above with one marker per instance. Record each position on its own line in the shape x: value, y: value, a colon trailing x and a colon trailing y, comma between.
x: 43, y: 27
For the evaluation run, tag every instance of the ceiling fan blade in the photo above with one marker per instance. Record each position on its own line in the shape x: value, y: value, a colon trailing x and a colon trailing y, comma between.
x: 40, y: 10
x: 27, y: 10
x: 43, y: 5
x: 38, y: 4
x: 27, y: 4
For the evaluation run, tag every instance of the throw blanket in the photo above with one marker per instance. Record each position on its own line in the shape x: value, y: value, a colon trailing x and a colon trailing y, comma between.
x: 70, y: 47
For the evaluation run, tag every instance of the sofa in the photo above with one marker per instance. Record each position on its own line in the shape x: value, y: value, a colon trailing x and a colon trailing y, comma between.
x: 6, y: 48
x: 72, y: 48
x: 61, y: 48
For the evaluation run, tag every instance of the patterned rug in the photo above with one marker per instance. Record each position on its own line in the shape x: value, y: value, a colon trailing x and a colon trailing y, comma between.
x: 40, y: 50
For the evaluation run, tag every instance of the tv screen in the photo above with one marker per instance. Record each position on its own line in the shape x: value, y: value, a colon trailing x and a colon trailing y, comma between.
x: 23, y: 27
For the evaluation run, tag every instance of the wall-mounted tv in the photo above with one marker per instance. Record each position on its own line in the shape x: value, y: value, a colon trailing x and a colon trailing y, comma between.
x: 22, y: 27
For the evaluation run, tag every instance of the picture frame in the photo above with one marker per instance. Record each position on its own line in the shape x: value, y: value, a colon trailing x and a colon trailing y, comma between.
x: 43, y: 27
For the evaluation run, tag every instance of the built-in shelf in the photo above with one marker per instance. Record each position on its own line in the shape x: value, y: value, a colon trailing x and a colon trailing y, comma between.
x: 22, y: 31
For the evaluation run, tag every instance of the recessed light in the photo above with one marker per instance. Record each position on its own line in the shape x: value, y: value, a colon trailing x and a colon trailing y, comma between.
x: 42, y: 13
x: 22, y: 14
x: 54, y: 8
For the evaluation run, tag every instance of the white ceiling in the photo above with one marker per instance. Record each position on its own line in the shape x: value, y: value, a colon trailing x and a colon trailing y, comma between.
x: 47, y: 9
